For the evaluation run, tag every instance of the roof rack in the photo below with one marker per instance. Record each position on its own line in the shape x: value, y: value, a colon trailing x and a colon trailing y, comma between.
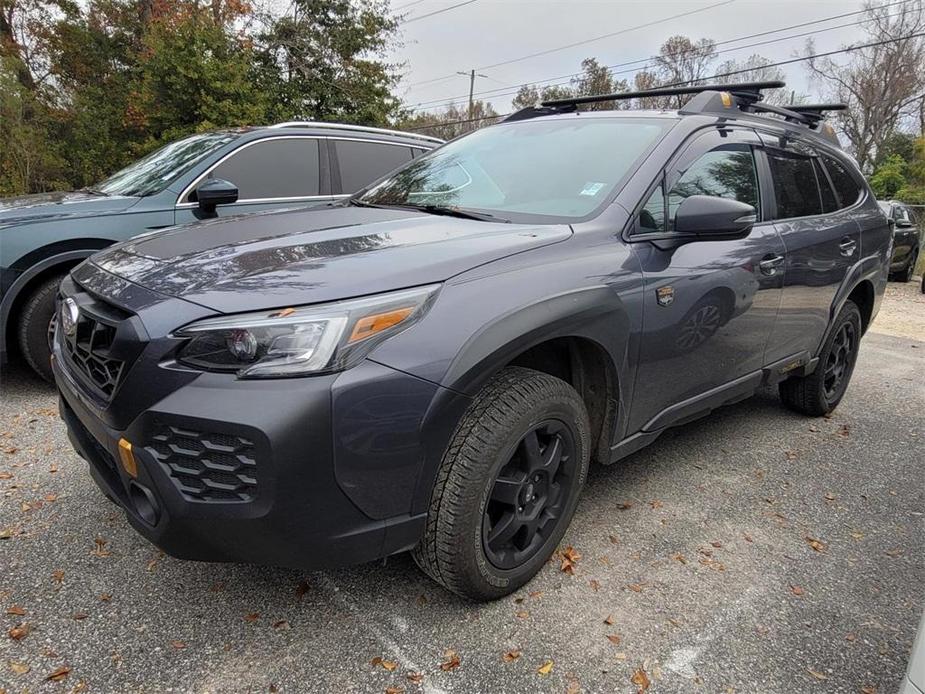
x: 358, y: 128
x: 815, y: 112
x: 744, y: 91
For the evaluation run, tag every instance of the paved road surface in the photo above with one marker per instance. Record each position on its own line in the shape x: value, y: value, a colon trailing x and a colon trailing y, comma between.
x: 697, y: 549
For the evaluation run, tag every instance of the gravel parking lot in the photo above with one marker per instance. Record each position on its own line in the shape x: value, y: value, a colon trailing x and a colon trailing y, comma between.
x: 752, y: 551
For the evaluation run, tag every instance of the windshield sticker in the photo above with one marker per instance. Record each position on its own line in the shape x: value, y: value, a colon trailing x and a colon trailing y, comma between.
x: 592, y: 188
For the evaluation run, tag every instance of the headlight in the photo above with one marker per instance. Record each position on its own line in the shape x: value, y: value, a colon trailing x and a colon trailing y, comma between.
x: 300, y: 341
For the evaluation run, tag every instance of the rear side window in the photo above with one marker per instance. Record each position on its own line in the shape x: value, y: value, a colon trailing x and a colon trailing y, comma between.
x: 277, y: 168
x: 361, y: 163
x: 795, y: 187
x: 847, y: 188
x: 829, y: 202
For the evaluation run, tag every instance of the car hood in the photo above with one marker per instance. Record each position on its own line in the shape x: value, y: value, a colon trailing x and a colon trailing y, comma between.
x: 62, y: 205
x: 291, y: 257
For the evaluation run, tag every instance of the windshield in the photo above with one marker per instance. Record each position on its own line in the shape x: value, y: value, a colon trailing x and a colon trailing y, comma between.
x: 153, y: 173
x: 544, y: 170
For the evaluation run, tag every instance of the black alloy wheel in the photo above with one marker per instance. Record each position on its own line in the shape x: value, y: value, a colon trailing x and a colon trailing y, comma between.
x: 529, y: 495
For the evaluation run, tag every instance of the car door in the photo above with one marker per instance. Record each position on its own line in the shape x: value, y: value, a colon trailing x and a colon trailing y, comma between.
x: 822, y: 241
x: 709, y: 305
x: 355, y: 163
x: 288, y: 171
x: 905, y: 235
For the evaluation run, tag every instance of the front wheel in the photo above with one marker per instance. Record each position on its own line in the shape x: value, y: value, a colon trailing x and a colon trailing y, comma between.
x: 508, y: 485
x: 820, y: 392
x: 36, y: 326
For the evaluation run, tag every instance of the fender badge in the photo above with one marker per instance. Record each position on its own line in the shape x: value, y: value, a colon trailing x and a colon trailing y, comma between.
x: 664, y: 295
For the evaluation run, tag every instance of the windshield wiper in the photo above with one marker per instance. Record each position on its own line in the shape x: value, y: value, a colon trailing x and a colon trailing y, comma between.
x: 93, y: 191
x: 444, y: 210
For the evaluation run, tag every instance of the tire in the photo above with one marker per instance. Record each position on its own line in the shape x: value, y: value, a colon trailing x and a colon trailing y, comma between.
x: 906, y: 275
x: 820, y: 392
x: 490, y: 442
x: 34, y: 325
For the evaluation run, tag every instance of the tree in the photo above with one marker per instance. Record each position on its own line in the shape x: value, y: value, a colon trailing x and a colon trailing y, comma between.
x: 684, y: 62
x: 452, y: 121
x: 756, y: 68
x: 882, y: 84
x: 889, y: 178
x: 594, y: 79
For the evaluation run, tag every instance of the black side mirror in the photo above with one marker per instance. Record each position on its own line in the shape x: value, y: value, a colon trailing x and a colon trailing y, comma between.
x: 903, y: 224
x: 706, y: 216
x: 215, y: 191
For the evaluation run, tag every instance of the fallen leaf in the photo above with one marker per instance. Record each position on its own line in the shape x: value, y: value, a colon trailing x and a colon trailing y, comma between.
x: 614, y: 540
x: 747, y: 537
x: 796, y: 590
x: 636, y: 587
x: 869, y: 689
x: 281, y: 625
x: 17, y: 611
x: 394, y: 690
x: 79, y: 615
x: 608, y: 620
x: 252, y: 617
x: 50, y: 498
x: 523, y: 614
x: 451, y: 663
x: 545, y: 668
x: 53, y: 468
x: 301, y: 589
x: 620, y: 656
x: 851, y: 637
x: 791, y: 455
x: 58, y: 674
x: 844, y: 431
x: 389, y: 665
x: 19, y: 632
x: 624, y: 506
x: 6, y: 475
x: 817, y: 545
x: 510, y: 656
x: 640, y: 679
x: 857, y: 534
x: 594, y: 585
x: 818, y: 675
x: 535, y: 593
x: 614, y: 639
x: 415, y: 677
x: 829, y: 496
x: 655, y: 503
x: 674, y: 622
x: 7, y: 533
x: 717, y: 544
x: 179, y: 645
x: 574, y: 687
x: 100, y: 549
x: 895, y: 552
x: 569, y: 558
x: 679, y: 557
x: 19, y: 668
x: 106, y: 597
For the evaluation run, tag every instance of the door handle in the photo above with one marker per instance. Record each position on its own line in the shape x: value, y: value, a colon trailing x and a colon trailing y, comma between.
x: 769, y: 264
x: 848, y: 246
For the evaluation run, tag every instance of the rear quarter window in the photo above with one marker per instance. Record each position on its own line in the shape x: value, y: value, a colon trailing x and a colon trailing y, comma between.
x: 847, y: 188
x: 796, y: 189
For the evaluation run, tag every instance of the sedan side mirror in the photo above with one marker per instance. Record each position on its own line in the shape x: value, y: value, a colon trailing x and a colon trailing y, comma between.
x: 707, y: 215
x: 903, y: 224
x: 215, y: 191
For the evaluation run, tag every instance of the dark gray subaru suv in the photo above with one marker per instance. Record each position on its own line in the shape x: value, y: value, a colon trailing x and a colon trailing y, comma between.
x: 432, y: 364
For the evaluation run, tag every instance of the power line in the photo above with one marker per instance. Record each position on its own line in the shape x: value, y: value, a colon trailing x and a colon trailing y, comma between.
x: 407, y: 4
x: 435, y: 12
x: 849, y: 49
x: 585, y: 41
x: 564, y: 79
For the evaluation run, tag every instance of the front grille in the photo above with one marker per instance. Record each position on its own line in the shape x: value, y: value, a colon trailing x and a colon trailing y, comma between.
x: 207, y: 466
x: 88, y: 347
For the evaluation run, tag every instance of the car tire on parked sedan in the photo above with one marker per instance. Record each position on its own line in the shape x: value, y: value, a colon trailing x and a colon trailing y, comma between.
x: 508, y: 485
x: 35, y: 326
x: 820, y: 392
x: 906, y: 275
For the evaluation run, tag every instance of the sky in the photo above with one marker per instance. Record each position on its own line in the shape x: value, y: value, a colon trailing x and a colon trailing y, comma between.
x: 483, y: 33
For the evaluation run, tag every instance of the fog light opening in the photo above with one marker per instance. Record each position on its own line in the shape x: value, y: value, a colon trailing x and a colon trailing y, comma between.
x: 144, y: 503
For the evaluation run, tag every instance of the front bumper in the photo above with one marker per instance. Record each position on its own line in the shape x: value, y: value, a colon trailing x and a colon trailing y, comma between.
x: 306, y: 472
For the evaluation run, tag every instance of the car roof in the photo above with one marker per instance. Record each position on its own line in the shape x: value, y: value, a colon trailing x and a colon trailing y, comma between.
x: 322, y: 128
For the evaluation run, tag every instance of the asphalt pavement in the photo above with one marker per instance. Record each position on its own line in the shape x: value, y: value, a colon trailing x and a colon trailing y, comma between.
x: 751, y: 551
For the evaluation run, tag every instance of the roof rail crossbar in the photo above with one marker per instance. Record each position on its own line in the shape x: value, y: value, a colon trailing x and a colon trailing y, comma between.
x: 789, y: 115
x: 815, y: 112
x: 358, y: 128
x: 745, y: 91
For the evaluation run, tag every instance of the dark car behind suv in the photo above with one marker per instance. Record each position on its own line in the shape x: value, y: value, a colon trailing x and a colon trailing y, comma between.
x: 215, y: 174
x: 432, y: 364
x: 907, y: 239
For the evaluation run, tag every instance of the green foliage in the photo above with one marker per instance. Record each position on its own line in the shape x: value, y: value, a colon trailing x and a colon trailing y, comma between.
x: 902, y: 178
x: 115, y: 79
x: 889, y: 177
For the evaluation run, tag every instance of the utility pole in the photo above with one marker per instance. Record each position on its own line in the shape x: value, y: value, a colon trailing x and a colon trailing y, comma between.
x: 471, y: 75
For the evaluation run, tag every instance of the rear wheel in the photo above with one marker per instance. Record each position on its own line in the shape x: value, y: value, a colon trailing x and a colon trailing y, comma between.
x: 906, y: 275
x: 508, y: 485
x: 820, y: 392
x: 36, y: 326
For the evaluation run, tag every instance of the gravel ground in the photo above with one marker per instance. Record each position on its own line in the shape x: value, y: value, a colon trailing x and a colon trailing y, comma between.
x: 751, y: 551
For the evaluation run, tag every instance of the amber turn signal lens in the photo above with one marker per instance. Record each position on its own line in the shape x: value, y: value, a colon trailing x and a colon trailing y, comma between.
x: 370, y: 325
x: 128, y: 458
